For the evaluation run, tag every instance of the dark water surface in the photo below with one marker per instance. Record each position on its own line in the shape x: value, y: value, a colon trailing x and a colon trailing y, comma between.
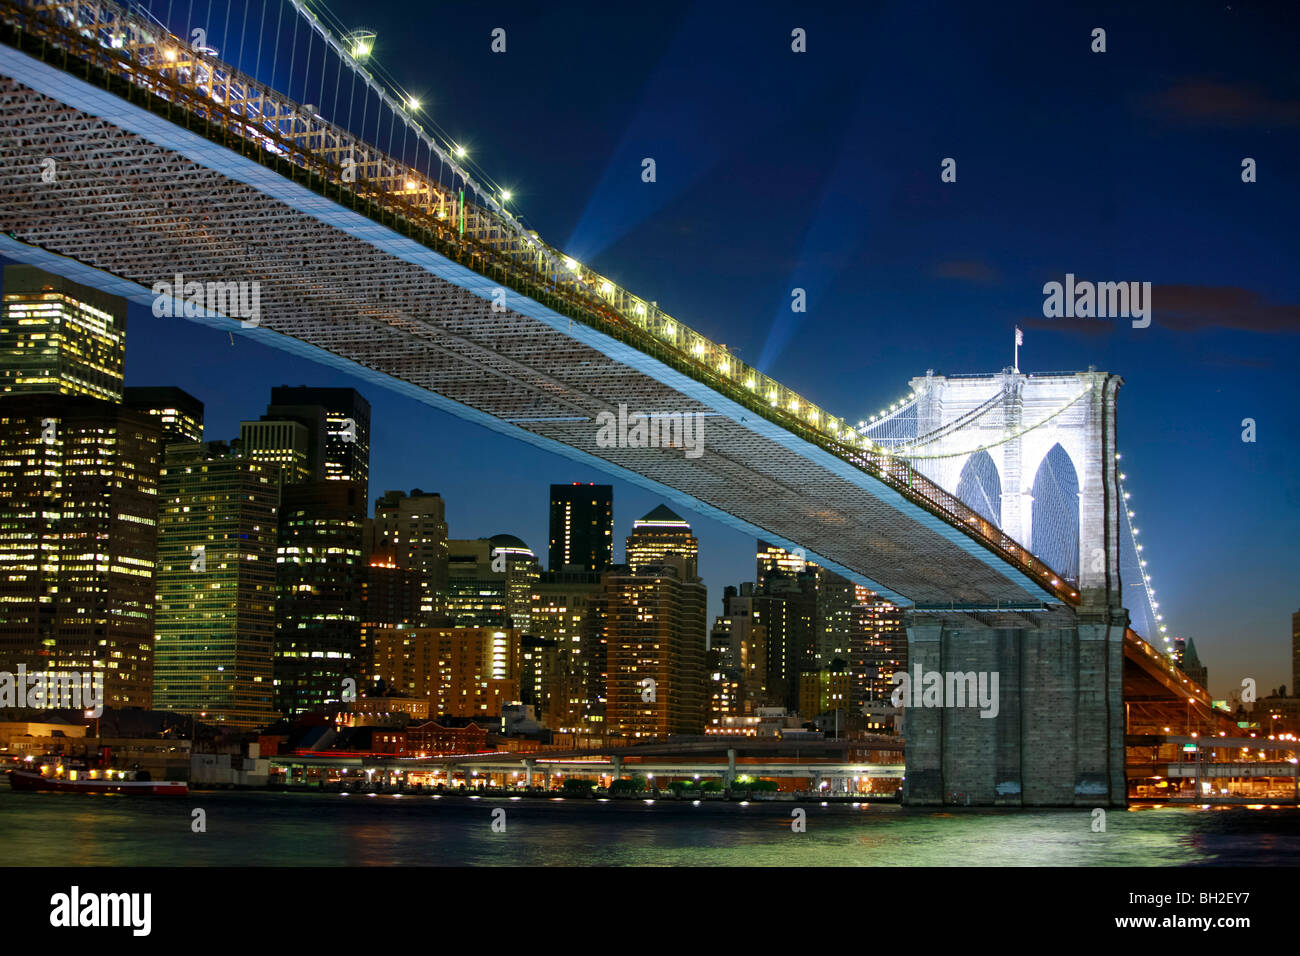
x: 330, y: 829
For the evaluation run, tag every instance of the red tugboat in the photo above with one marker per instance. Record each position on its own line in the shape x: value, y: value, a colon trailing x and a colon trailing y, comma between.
x: 72, y: 775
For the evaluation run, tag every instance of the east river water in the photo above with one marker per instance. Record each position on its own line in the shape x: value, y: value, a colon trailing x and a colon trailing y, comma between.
x: 330, y: 829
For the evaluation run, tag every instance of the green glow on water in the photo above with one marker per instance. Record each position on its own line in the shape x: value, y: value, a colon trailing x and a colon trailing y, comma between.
x: 264, y: 829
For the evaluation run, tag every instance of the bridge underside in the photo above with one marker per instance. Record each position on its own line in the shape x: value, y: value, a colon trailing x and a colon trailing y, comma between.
x: 142, y: 199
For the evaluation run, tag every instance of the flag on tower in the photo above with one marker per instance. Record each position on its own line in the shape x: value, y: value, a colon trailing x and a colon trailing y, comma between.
x: 1020, y: 336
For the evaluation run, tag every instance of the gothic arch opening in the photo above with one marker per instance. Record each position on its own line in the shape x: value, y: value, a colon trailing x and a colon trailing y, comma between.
x: 980, y: 486
x: 1055, y: 521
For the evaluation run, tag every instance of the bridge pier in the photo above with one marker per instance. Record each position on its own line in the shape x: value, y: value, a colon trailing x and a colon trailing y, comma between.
x: 1054, y: 731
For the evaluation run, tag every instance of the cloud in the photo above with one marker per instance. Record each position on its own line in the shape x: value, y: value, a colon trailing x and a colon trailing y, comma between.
x: 968, y: 270
x: 1212, y: 103
x: 1193, y: 308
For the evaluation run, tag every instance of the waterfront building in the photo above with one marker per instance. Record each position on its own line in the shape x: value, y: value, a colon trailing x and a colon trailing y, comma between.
x: 785, y: 595
x: 566, y: 607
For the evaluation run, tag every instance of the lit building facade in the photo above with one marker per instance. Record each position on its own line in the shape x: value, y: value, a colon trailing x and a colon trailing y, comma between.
x: 319, y: 586
x: 283, y: 444
x: 658, y: 535
x: 785, y: 597
x: 338, y: 423
x: 60, y: 337
x: 411, y: 532
x: 878, y: 649
x: 655, y: 651
x: 78, y: 540
x: 178, y: 413
x: 567, y: 608
x: 216, y: 586
x: 461, y: 671
x: 490, y: 582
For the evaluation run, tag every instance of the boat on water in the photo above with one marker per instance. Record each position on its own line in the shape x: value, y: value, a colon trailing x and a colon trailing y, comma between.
x: 60, y: 775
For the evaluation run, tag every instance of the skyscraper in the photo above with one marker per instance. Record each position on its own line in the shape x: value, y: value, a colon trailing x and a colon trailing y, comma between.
x: 582, y: 526
x: 216, y: 585
x: 877, y: 649
x: 338, y: 423
x: 786, y: 599
x: 659, y: 534
x: 655, y: 651
x: 60, y: 337
x: 319, y: 585
x: 740, y: 639
x: 283, y: 443
x: 78, y: 540
x: 566, y: 609
x: 411, y: 532
x: 490, y: 582
x: 178, y: 413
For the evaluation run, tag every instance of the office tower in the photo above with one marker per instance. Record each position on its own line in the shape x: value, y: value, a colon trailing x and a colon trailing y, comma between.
x: 78, y: 540
x: 566, y: 608
x: 178, y: 413
x: 217, y: 531
x: 786, y: 598
x: 60, y: 337
x: 658, y: 535
x: 582, y: 526
x: 490, y: 582
x: 282, y: 443
x: 412, y: 531
x: 462, y: 671
x: 655, y: 650
x: 321, y: 570
x: 338, y: 423
x: 740, y: 639
x: 878, y: 649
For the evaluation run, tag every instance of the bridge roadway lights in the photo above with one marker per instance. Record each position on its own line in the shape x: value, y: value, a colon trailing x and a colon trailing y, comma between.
x: 1057, y: 738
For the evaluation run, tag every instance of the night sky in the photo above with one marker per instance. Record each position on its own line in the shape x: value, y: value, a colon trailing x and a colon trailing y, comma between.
x: 821, y: 170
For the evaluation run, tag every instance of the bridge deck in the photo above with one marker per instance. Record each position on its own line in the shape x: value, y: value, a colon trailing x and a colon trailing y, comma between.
x: 139, y: 198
